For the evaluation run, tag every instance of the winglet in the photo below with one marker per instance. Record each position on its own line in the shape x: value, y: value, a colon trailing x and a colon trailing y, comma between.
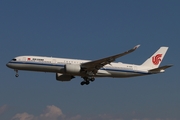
x: 133, y: 49
x: 137, y: 46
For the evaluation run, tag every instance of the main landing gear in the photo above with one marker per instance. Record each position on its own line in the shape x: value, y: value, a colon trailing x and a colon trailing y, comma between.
x: 87, y: 80
x: 17, y: 75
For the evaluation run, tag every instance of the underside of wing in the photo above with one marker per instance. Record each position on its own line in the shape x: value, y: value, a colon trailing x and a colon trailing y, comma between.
x: 95, y: 65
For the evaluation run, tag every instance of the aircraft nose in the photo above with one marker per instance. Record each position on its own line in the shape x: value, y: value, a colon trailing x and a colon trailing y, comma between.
x: 8, y: 65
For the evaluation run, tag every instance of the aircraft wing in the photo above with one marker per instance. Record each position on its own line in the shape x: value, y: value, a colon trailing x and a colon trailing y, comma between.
x: 97, y: 64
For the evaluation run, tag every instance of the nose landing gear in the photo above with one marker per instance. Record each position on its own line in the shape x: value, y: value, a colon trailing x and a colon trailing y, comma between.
x: 17, y: 75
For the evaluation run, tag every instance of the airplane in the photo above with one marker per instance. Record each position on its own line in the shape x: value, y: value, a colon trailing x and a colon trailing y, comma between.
x: 66, y: 69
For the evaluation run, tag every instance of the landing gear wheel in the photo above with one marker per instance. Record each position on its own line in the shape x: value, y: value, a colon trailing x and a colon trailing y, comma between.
x: 17, y: 75
x: 92, y: 79
x: 82, y: 83
x: 87, y: 82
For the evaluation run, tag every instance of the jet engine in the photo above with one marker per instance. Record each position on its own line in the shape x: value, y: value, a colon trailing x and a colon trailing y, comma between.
x: 72, y: 68
x: 61, y: 77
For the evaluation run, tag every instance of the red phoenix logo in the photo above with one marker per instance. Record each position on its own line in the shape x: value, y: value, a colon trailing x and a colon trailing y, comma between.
x: 156, y: 59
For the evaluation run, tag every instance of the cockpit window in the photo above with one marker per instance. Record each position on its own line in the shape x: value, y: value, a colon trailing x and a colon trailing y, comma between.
x: 14, y: 59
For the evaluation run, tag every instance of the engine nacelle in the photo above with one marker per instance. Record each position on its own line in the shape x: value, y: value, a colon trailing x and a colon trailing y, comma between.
x: 61, y: 77
x: 72, y: 68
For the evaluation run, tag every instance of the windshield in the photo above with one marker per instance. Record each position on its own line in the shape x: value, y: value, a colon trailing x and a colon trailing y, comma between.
x: 13, y: 59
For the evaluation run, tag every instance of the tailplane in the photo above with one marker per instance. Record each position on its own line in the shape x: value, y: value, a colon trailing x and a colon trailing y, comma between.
x: 159, y: 69
x: 155, y: 60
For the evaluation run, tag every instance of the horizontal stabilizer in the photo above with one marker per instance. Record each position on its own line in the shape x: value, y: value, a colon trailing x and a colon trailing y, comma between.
x: 160, y: 69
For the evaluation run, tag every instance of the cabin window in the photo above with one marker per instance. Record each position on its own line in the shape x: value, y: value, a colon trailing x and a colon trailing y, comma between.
x: 14, y: 59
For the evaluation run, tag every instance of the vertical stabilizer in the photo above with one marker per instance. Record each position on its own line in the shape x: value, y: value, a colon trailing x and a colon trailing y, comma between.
x: 155, y: 60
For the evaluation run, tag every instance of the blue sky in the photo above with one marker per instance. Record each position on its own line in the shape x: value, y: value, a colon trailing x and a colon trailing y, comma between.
x: 89, y: 30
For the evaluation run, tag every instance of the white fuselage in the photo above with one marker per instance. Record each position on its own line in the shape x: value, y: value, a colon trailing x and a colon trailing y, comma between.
x: 57, y: 65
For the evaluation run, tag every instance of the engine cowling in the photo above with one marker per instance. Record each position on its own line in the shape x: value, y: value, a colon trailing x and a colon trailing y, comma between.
x: 72, y: 68
x: 61, y: 77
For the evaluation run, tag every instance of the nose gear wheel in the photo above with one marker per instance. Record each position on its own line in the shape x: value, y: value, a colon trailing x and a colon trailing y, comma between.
x: 17, y: 75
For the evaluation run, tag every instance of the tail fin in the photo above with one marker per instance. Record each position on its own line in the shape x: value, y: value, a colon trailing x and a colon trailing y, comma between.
x: 155, y: 60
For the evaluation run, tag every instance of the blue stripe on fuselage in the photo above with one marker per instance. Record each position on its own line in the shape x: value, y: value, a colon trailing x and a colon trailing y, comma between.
x: 62, y: 65
x: 35, y: 63
x: 122, y: 70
